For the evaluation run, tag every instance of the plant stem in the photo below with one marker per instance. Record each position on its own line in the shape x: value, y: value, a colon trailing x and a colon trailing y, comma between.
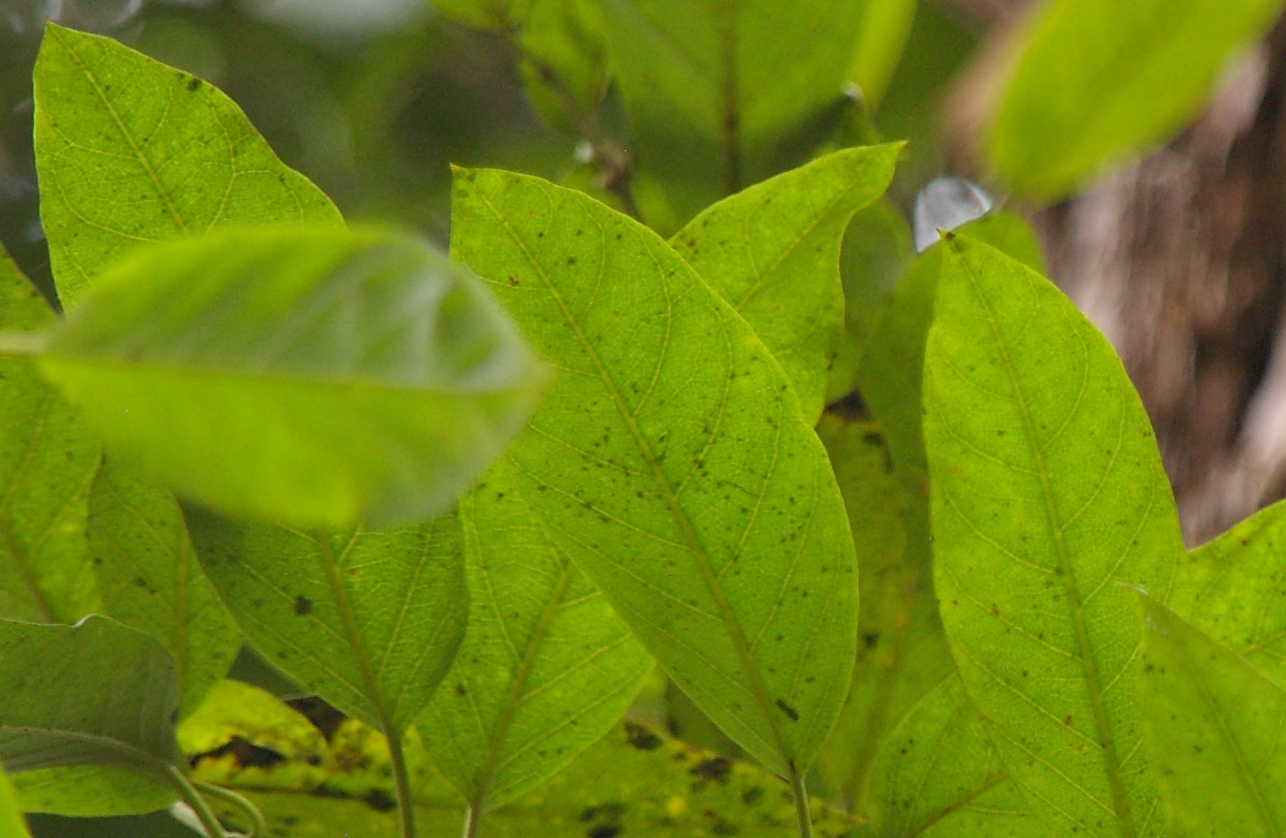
x: 404, y: 804
x: 802, y: 813
x: 230, y: 797
x: 192, y: 797
x: 472, y: 816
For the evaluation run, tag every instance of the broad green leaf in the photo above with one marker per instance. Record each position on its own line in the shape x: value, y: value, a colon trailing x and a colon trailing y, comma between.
x: 772, y: 252
x: 150, y: 580
x: 355, y: 375
x: 882, y: 36
x: 1213, y: 728
x: 564, y: 62
x: 47, y: 460
x: 875, y: 256
x: 546, y: 667
x: 232, y: 709
x: 94, y: 694
x: 633, y: 783
x: 369, y: 620
x: 12, y: 824
x: 1048, y: 490
x: 131, y: 151
x: 1099, y: 79
x: 892, y: 363
x: 486, y: 14
x: 1231, y: 589
x: 720, y: 93
x: 92, y: 791
x: 671, y: 463
x: 938, y: 775
x: 901, y: 652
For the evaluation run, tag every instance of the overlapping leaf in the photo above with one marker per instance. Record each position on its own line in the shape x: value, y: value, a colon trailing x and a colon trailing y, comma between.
x: 883, y: 35
x: 131, y: 151
x: 355, y: 375
x: 1098, y: 79
x: 718, y: 92
x: 11, y: 820
x: 1214, y: 728
x: 546, y: 667
x: 47, y: 460
x: 671, y: 463
x: 233, y: 710
x: 1047, y: 490
x: 772, y: 251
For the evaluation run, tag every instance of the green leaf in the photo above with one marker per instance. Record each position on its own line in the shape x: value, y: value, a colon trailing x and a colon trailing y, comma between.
x: 938, y: 775
x: 671, y: 463
x: 91, y: 791
x: 150, y: 580
x: 485, y: 14
x: 892, y: 362
x: 355, y: 375
x: 633, y: 782
x: 1047, y: 490
x: 369, y: 620
x: 546, y: 667
x: 720, y: 93
x: 882, y: 36
x: 1213, y: 727
x: 97, y: 693
x: 47, y: 460
x: 1098, y: 79
x: 772, y: 252
x: 902, y: 653
x: 564, y: 62
x: 232, y: 709
x: 12, y: 823
x: 130, y: 151
x: 1231, y: 587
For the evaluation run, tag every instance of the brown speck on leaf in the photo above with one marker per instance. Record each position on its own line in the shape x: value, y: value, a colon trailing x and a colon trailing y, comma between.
x: 303, y: 605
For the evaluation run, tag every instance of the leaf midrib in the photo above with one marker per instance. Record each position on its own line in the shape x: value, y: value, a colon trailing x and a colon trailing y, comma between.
x: 1110, y: 759
x: 695, y: 548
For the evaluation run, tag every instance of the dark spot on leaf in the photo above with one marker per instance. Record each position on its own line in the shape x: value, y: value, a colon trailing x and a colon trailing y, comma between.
x: 722, y: 827
x: 140, y: 581
x: 380, y: 801
x: 870, y: 638
x: 641, y: 738
x: 718, y: 768
x: 1067, y: 722
x: 604, y: 830
x: 194, y: 84
x: 303, y: 605
x: 790, y: 712
x: 243, y: 754
x: 752, y: 794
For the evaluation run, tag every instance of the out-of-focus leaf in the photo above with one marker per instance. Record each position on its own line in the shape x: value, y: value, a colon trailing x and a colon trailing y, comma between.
x: 12, y: 824
x: 632, y: 782
x: 901, y: 650
x: 882, y: 35
x: 233, y: 710
x: 876, y: 253
x: 892, y: 363
x: 1213, y: 728
x: 486, y: 14
x: 546, y: 667
x: 150, y: 580
x: 354, y: 375
x: 1098, y: 79
x: 369, y: 620
x: 47, y: 460
x: 95, y: 694
x: 131, y: 151
x: 1232, y: 587
x: 938, y: 775
x: 671, y: 463
x: 772, y: 252
x: 91, y: 791
x: 564, y: 61
x: 719, y: 93
x: 1047, y: 490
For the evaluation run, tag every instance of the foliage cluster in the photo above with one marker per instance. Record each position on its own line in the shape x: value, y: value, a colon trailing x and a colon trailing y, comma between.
x: 479, y: 504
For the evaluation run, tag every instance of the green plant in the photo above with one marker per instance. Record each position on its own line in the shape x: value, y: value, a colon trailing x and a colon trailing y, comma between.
x: 472, y: 502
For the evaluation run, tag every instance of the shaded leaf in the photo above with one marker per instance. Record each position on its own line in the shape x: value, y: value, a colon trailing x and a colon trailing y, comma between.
x: 1213, y: 728
x: 233, y: 710
x: 150, y: 580
x: 564, y: 62
x: 1047, y: 490
x: 47, y: 460
x: 938, y: 775
x: 370, y: 620
x: 131, y: 151
x: 721, y: 95
x: 356, y: 375
x: 882, y: 36
x: 485, y: 14
x: 546, y: 667
x: 93, y: 791
x: 671, y: 463
x: 772, y: 251
x: 1098, y: 79
x: 1231, y: 589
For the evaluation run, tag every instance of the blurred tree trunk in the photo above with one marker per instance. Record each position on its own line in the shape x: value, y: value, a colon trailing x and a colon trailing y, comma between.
x: 1178, y: 259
